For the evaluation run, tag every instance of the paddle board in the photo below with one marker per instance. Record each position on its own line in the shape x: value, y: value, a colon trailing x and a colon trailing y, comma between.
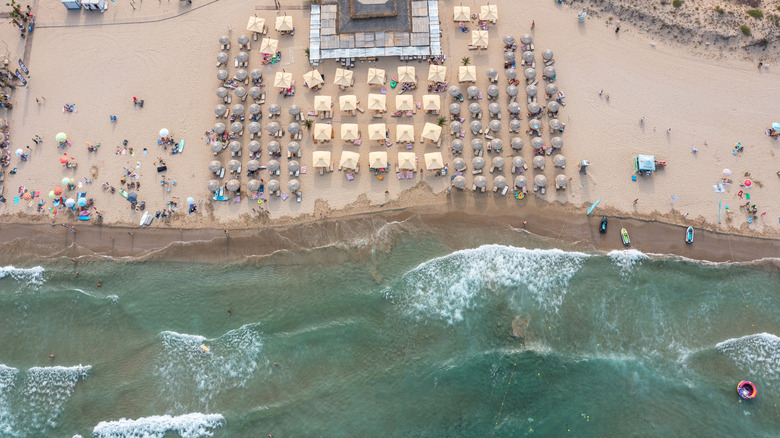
x: 83, y: 218
x: 84, y: 213
x: 592, y: 206
x: 144, y: 218
x: 123, y: 193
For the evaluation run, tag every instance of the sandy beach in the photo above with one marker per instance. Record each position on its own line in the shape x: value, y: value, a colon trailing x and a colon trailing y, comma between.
x: 636, y: 91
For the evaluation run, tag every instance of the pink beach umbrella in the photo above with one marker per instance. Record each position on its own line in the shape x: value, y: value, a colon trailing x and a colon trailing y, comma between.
x: 748, y: 183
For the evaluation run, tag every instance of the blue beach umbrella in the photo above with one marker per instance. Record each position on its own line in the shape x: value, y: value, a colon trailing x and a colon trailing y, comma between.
x: 82, y: 202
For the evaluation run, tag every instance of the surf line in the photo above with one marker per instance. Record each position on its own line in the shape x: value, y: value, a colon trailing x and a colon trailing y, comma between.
x: 514, y: 367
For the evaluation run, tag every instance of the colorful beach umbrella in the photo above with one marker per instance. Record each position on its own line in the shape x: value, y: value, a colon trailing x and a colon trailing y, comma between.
x: 60, y: 137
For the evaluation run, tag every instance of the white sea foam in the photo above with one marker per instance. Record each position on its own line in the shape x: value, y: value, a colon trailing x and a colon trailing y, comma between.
x: 758, y: 354
x: 46, y: 390
x: 7, y: 382
x: 626, y: 259
x: 29, y: 276
x: 190, y: 377
x: 187, y: 426
x: 447, y: 286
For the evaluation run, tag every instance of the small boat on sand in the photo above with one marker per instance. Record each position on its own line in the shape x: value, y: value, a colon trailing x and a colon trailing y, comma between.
x: 603, y: 227
x: 689, y: 235
x: 747, y: 390
x: 624, y: 236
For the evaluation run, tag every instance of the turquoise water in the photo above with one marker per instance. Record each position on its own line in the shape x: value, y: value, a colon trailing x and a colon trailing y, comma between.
x: 409, y: 339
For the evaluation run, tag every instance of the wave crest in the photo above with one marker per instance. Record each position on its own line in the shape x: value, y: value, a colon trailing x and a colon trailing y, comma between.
x: 758, y: 353
x: 187, y: 426
x: 46, y: 390
x: 446, y: 286
x: 28, y: 276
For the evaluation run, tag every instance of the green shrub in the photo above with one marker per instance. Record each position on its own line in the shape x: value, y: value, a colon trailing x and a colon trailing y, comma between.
x: 755, y: 13
x: 719, y: 10
x: 745, y: 29
x: 676, y: 3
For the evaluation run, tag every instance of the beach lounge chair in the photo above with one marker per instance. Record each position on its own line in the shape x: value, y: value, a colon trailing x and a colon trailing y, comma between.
x: 409, y: 174
x: 350, y: 177
x: 400, y: 175
x: 221, y: 173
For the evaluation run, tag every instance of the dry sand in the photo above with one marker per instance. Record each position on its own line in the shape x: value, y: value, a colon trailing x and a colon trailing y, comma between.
x: 165, y: 53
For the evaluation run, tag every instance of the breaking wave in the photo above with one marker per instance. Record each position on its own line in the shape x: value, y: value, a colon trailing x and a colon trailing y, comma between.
x: 187, y: 426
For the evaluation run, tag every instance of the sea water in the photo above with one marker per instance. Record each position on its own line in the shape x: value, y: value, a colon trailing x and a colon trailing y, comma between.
x: 419, y: 337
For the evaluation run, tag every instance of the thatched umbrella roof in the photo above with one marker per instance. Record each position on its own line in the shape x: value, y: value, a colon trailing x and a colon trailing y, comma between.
x: 538, y: 162
x: 214, y: 166
x: 236, y: 127
x: 234, y: 164
x: 217, y: 146
x: 561, y: 181
x: 454, y: 108
x: 540, y: 180
x: 233, y: 185
x: 494, y: 108
x: 556, y: 142
x: 498, y: 162
x: 475, y: 125
x: 253, y: 185
x: 480, y: 181
x: 222, y: 92
x: 515, y: 125
x: 477, y: 144
x: 499, y: 182
x: 272, y: 165
x: 495, y: 125
x: 559, y: 161
x: 252, y: 165
x: 518, y: 162
x: 496, y: 144
x: 234, y: 146
x: 511, y: 73
x: 459, y: 182
x: 459, y: 164
x: 274, y: 147
x: 273, y: 185
x: 213, y: 185
x: 531, y: 90
x: 516, y: 143
x: 220, y: 110
x: 537, y: 143
x: 521, y: 181
x: 293, y: 147
x: 529, y: 73
x: 457, y: 144
x: 254, y: 146
x: 293, y: 185
x: 478, y: 162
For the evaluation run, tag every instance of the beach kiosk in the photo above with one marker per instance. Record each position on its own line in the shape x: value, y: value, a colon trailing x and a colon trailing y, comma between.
x: 644, y: 164
x: 71, y: 4
x: 95, y: 5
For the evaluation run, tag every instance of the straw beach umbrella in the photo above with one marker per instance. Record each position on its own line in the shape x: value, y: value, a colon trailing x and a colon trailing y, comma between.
x: 213, y: 185
x: 240, y: 92
x: 274, y: 147
x: 254, y: 127
x: 215, y: 166
x: 518, y: 163
x: 404, y: 133
x: 555, y: 124
x: 479, y: 38
x: 293, y: 185
x: 538, y: 162
x: 509, y: 56
x: 272, y: 166
x: 521, y: 181
x: 437, y: 73
x: 348, y: 102
x: 233, y: 165
x: 475, y: 126
x: 494, y: 126
x: 477, y: 144
x: 224, y: 39
x: 480, y: 181
x: 531, y: 90
x: 293, y: 147
x: 551, y: 90
x: 222, y: 75
x: 535, y: 124
x: 294, y: 110
x: 282, y: 79
x: 406, y: 74
x: 313, y: 79
x: 219, y: 128
x: 553, y: 107
x: 222, y: 57
x: 537, y: 143
x: 433, y: 160
x: 530, y: 73
x: 273, y: 185
x: 478, y: 163
x: 454, y: 108
x: 534, y: 108
x: 509, y: 39
x: 273, y: 128
x: 254, y: 109
x: 556, y: 142
x: 222, y: 92
x: 496, y: 144
x: 234, y: 146
x: 459, y: 182
x: 242, y: 56
x: 540, y: 181
x: 377, y: 131
x: 547, y: 54
x: 526, y: 39
x: 511, y: 74
x: 254, y: 146
x: 472, y: 91
x: 455, y: 126
x: 217, y: 147
x: 514, y: 108
x: 498, y: 162
x: 491, y: 73
x: 256, y: 74
x: 377, y: 160
x: 376, y: 76
x: 377, y: 102
x: 275, y: 109
x: 407, y: 161
x: 253, y: 185
x: 255, y: 92
x: 293, y: 166
x: 220, y: 110
x: 511, y: 91
x: 466, y: 73
x: 404, y: 102
x: 454, y: 91
x: 343, y: 77
x: 459, y: 164
x: 559, y: 161
x: 252, y: 165
x: 349, y: 160
x: 268, y: 46
x: 233, y: 185
x: 349, y: 131
x: 457, y: 145
x: 528, y: 57
x: 474, y: 109
x: 561, y: 181
x: 238, y: 109
x: 549, y: 73
x: 462, y: 13
x: 499, y: 182
x: 293, y: 128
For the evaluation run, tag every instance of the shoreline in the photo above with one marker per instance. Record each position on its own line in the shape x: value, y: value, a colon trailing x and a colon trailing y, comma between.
x: 555, y: 226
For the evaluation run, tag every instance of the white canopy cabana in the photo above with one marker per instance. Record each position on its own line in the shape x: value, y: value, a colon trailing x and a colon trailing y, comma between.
x: 467, y: 73
x: 283, y: 79
x: 404, y: 102
x: 406, y: 74
x: 284, y: 23
x: 431, y: 102
x: 377, y: 131
x: 269, y: 46
x: 323, y: 131
x: 321, y: 159
x: 479, y: 38
x: 256, y: 24
x: 377, y: 160
x: 407, y: 161
x: 404, y: 133
x: 322, y: 103
x: 377, y: 102
x: 437, y: 73
x: 376, y: 76
x: 488, y: 13
x: 313, y: 78
x: 348, y: 102
x: 343, y: 77
x: 349, y: 160
x: 349, y: 131
x: 433, y: 161
x: 431, y: 132
x: 462, y: 13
